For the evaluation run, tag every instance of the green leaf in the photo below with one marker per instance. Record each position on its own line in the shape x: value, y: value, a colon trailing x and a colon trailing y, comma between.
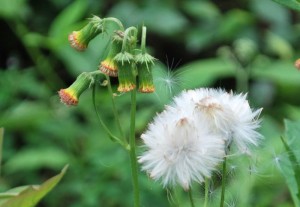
x: 36, y: 158
x: 204, y: 72
x: 290, y: 168
x: 201, y: 9
x: 233, y: 22
x: 68, y: 17
x: 12, y: 8
x: 278, y: 46
x: 29, y: 196
x: 293, y: 4
x: 292, y: 132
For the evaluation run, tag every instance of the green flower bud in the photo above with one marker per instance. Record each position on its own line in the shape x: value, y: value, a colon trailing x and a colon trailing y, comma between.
x: 109, y: 66
x: 70, y: 95
x: 79, y: 40
x: 144, y: 63
x: 125, y: 63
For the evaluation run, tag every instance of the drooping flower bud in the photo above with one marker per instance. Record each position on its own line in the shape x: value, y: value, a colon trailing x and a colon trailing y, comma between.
x: 109, y: 66
x: 144, y: 63
x: 125, y: 63
x: 70, y: 95
x: 79, y: 40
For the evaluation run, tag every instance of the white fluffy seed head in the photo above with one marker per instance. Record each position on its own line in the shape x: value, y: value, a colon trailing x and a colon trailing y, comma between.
x: 188, y: 140
x: 179, y: 153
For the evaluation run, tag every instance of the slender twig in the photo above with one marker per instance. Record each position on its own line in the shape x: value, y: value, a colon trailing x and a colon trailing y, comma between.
x: 116, y: 114
x: 191, y: 198
x: 134, y: 167
x: 111, y: 136
x: 223, y: 183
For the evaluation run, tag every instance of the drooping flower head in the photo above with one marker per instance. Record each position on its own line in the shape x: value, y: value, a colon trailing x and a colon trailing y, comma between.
x: 109, y: 66
x: 70, y: 95
x: 79, y: 40
x: 144, y: 63
x: 124, y: 61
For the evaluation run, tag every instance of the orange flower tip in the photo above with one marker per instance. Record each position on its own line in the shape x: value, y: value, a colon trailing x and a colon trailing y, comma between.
x: 126, y: 88
x: 146, y: 89
x: 75, y: 43
x: 108, y: 69
x: 297, y: 64
x: 67, y: 97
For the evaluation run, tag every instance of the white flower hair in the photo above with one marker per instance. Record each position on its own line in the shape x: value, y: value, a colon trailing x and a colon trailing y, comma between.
x: 178, y: 152
x: 188, y: 140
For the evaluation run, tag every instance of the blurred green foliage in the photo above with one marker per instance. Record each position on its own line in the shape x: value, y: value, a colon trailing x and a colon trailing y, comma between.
x: 203, y: 43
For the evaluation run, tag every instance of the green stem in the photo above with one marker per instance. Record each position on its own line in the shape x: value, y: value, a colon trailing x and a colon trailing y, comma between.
x: 1, y: 145
x: 111, y: 136
x: 242, y: 80
x: 206, y: 192
x: 116, y: 114
x: 126, y: 36
x: 223, y: 183
x: 132, y: 153
x: 191, y: 198
x: 115, y: 20
x: 143, y: 42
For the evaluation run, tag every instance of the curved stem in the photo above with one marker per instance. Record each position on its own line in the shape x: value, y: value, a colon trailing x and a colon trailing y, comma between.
x: 115, y: 20
x: 191, y: 198
x: 126, y: 36
x: 115, y: 110
x: 206, y: 192
x: 111, y: 136
x: 223, y: 183
x: 132, y: 153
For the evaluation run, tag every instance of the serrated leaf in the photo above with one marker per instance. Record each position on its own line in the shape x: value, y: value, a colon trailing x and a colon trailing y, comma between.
x: 29, y: 196
x: 293, y: 4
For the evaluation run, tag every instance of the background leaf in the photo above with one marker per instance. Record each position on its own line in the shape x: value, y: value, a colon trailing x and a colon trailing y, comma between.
x: 29, y: 196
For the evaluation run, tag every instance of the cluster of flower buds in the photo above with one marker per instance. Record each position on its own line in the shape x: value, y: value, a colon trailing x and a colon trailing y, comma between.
x: 131, y: 65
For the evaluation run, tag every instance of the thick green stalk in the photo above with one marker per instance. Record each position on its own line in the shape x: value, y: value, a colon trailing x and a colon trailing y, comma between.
x: 206, y: 192
x: 132, y: 153
x: 191, y: 198
x: 223, y: 183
